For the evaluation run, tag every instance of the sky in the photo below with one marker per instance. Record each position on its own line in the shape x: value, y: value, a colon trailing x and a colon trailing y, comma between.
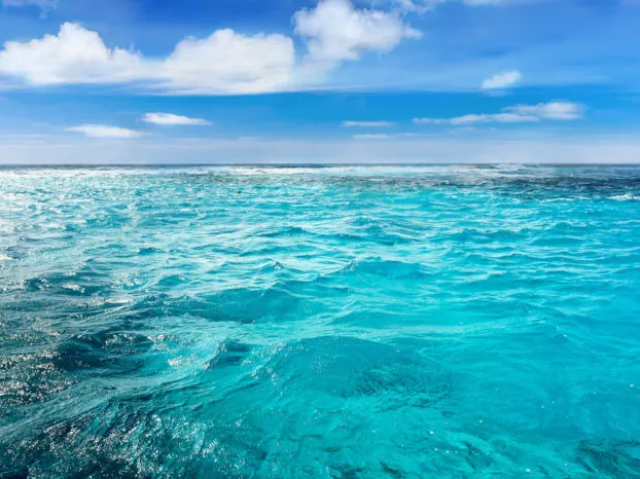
x: 319, y: 81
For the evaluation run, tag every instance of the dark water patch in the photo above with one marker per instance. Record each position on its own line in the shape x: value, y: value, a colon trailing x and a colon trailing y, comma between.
x: 103, y: 353
x: 230, y: 354
x: 610, y: 458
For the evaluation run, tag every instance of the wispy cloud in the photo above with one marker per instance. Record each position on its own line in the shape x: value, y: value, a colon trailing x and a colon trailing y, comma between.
x: 372, y: 136
x: 44, y: 4
x: 167, y: 119
x: 105, y: 131
x: 422, y: 6
x: 367, y: 124
x: 479, y: 118
x: 515, y: 114
x: 502, y: 80
x: 557, y: 110
x: 389, y: 136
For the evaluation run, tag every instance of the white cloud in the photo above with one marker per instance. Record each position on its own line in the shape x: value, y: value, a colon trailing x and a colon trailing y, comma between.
x: 419, y: 6
x: 367, y: 124
x: 422, y: 6
x: 171, y: 119
x: 557, y: 110
x: 385, y: 136
x: 104, y: 131
x: 483, y: 118
x: 226, y: 62
x: 371, y: 136
x: 75, y: 55
x: 502, y: 80
x: 515, y: 114
x: 335, y: 31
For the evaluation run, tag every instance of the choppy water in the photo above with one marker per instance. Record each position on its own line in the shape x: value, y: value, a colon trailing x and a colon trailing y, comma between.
x: 334, y: 322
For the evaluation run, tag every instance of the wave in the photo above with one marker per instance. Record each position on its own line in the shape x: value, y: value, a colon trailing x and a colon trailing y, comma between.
x: 300, y: 322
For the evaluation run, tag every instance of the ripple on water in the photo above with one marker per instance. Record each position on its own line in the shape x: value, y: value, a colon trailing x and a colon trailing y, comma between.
x: 319, y: 322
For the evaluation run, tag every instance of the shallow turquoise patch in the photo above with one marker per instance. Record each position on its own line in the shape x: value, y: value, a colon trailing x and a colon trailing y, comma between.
x: 320, y: 322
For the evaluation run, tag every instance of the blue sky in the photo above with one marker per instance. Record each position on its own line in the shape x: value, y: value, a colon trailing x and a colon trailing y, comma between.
x: 206, y: 81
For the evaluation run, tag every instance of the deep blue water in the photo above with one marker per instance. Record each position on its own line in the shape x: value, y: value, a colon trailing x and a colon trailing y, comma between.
x: 344, y: 322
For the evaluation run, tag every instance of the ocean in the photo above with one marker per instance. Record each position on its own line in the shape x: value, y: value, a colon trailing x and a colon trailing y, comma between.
x: 329, y: 322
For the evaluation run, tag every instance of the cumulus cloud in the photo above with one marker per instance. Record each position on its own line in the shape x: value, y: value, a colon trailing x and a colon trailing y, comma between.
x: 367, y: 124
x: 502, y: 80
x: 75, y: 55
x: 226, y: 62
x: 514, y: 114
x: 336, y: 31
x: 166, y: 119
x: 105, y: 131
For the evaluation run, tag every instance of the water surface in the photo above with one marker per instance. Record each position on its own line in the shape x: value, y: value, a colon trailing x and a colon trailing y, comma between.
x: 341, y: 322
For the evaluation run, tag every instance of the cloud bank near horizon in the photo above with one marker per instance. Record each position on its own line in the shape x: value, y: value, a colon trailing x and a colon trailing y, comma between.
x: 393, y: 150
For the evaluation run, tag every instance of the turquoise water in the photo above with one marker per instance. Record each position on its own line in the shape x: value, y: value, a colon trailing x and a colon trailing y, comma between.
x: 343, y: 322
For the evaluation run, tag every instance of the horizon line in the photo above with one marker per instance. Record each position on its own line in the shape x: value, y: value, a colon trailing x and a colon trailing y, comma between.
x: 305, y: 165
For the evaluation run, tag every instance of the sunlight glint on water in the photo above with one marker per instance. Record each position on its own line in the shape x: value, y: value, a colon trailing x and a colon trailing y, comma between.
x: 330, y: 322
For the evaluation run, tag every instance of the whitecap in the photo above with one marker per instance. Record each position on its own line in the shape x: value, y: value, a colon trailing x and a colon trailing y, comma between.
x: 625, y: 197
